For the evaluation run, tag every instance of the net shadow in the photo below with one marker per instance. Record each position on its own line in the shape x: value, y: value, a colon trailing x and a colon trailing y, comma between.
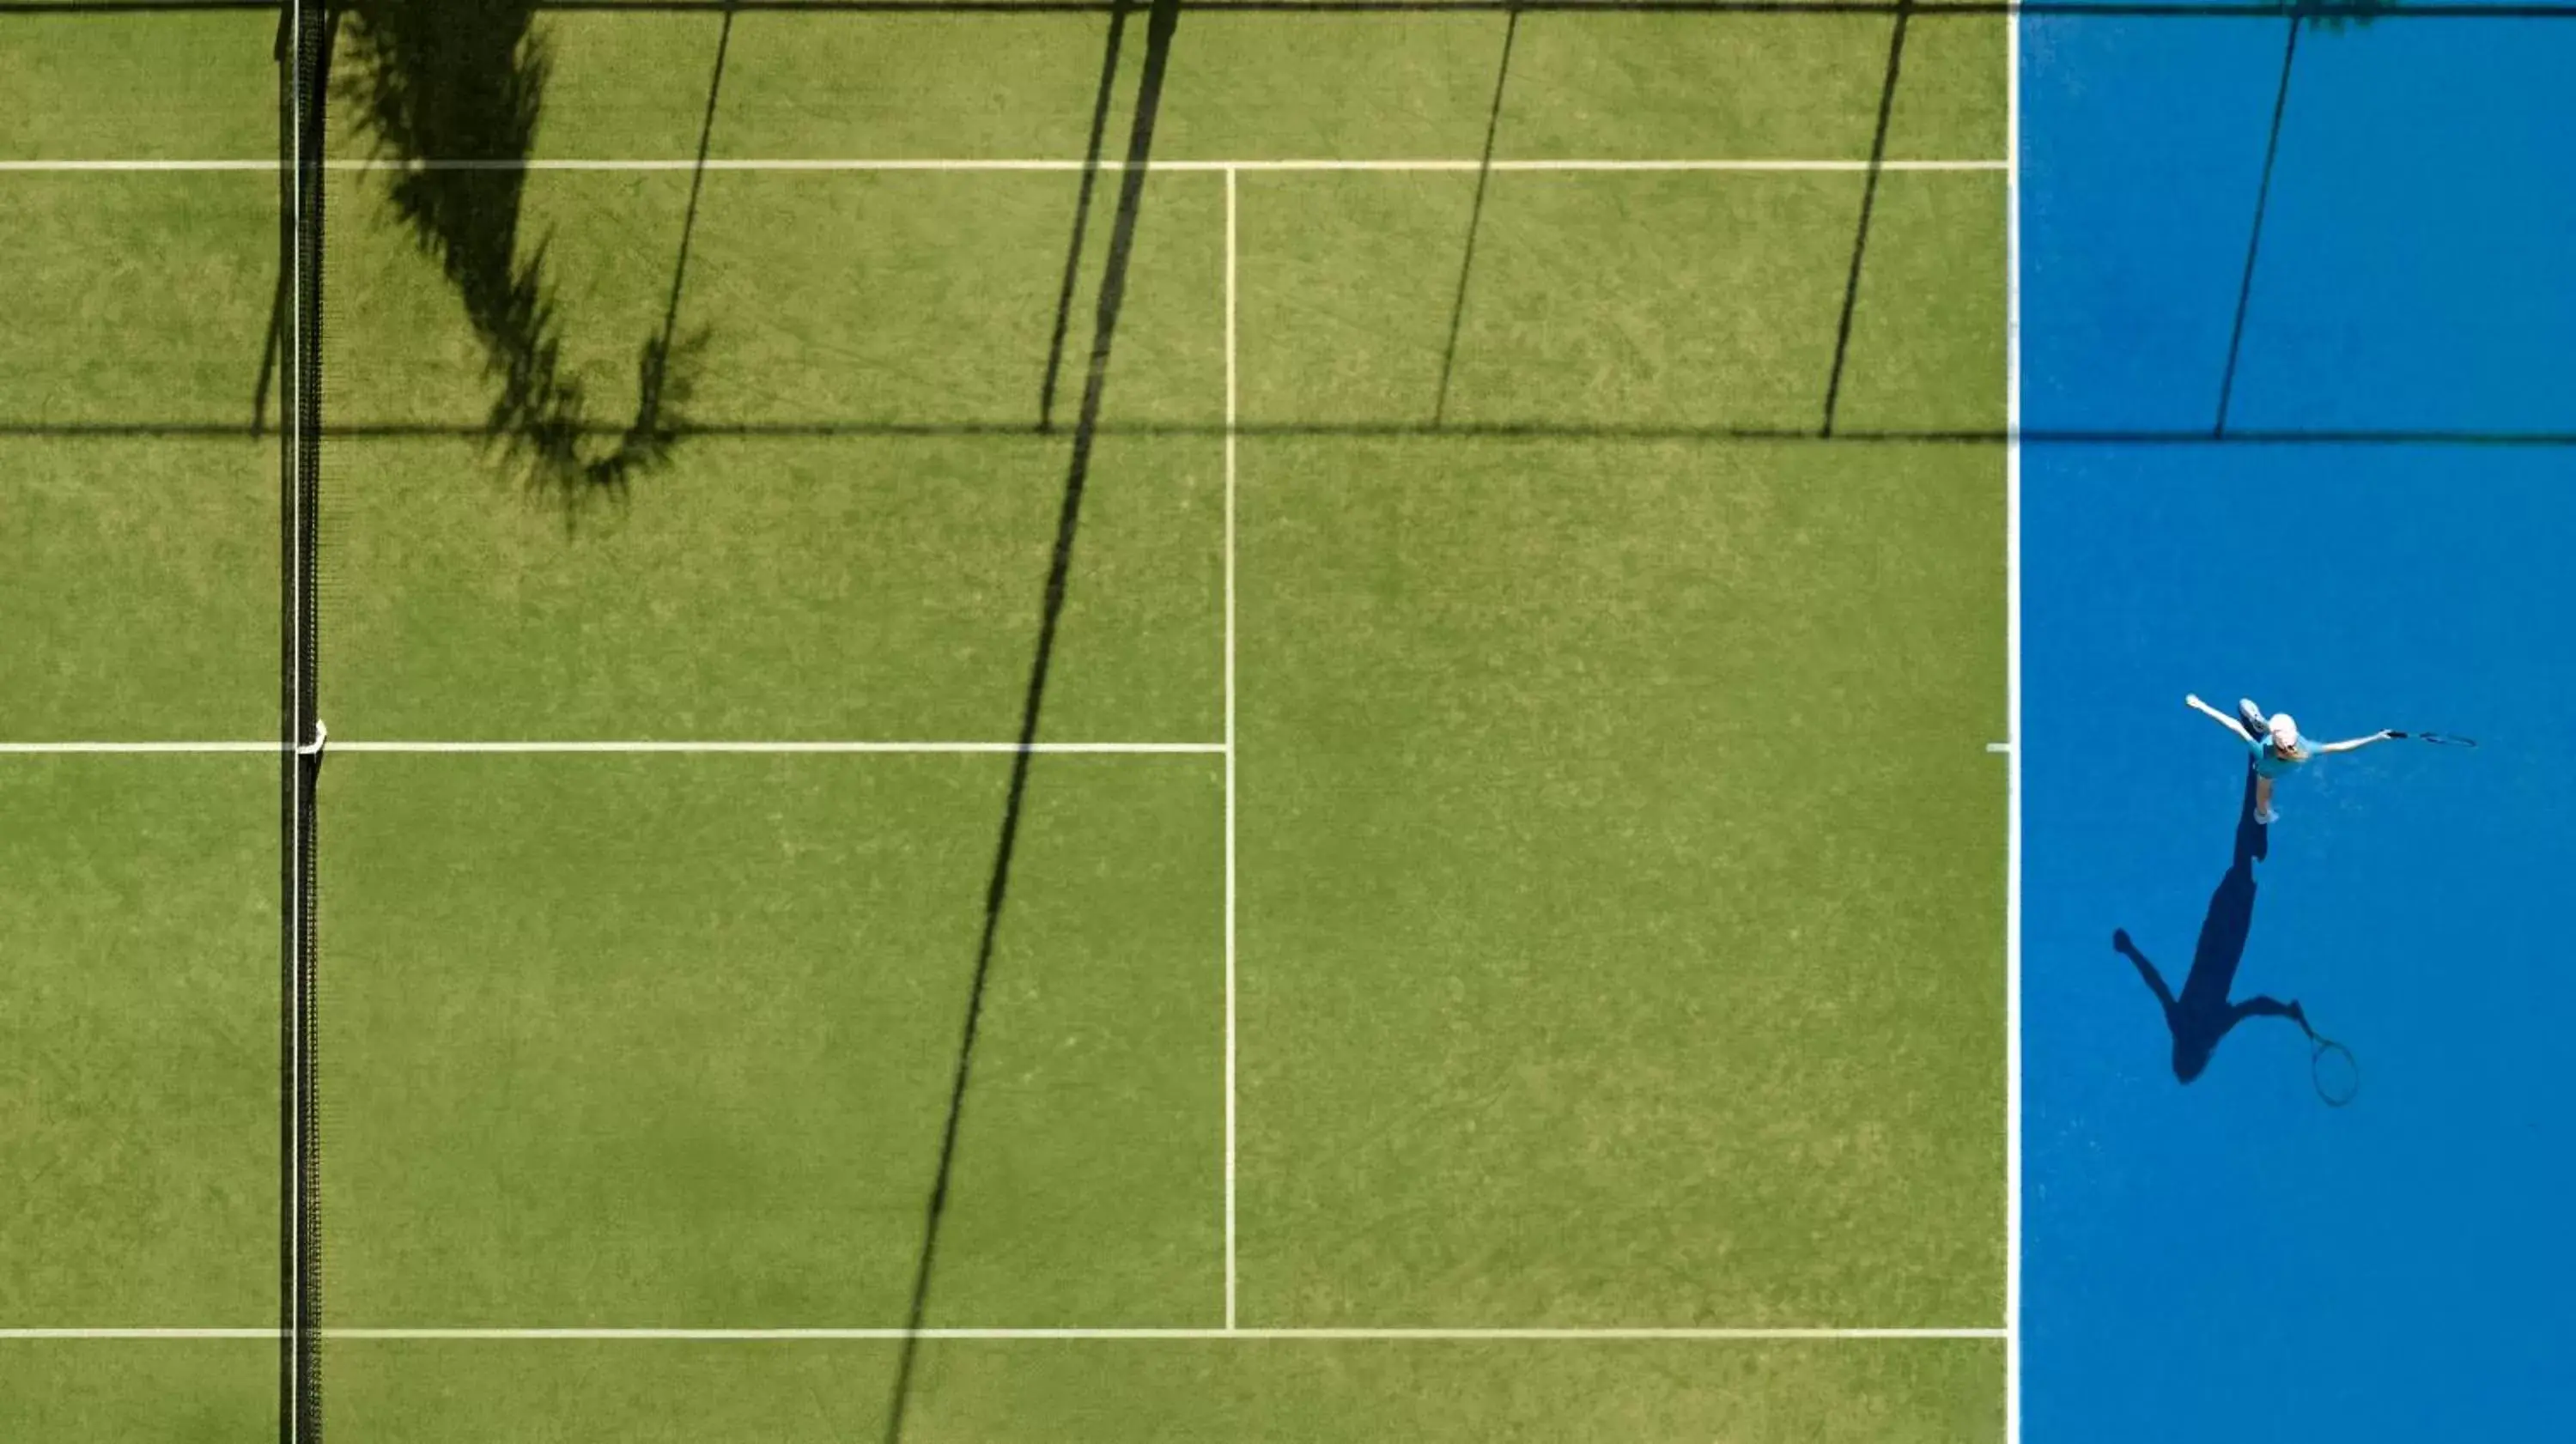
x: 2326, y: 12
x: 1532, y: 431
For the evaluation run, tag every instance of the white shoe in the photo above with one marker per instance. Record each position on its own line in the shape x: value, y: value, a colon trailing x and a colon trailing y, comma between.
x: 2252, y: 714
x: 2267, y: 817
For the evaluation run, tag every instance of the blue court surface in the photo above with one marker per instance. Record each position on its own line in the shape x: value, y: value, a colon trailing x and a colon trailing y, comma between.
x: 2383, y: 542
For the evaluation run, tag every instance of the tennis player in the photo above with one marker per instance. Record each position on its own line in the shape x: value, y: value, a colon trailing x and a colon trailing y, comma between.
x: 2277, y: 746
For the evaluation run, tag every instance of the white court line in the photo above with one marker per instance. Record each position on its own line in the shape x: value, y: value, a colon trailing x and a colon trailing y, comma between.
x: 1124, y: 749
x: 1855, y: 167
x: 2012, y: 711
x: 114, y: 1333
x: 65, y: 747
x: 1229, y: 169
x: 1059, y: 749
x: 969, y: 166
x: 1999, y: 747
x: 1230, y: 389
x: 1319, y: 1335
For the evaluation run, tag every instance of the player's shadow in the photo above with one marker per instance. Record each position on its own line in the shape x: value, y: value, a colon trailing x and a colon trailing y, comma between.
x: 2201, y: 1015
x: 449, y: 94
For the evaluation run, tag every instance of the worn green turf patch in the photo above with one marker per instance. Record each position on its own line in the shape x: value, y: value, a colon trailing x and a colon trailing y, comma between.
x: 658, y: 1041
x: 1622, y: 908
x: 1608, y: 302
x: 143, y: 298
x: 161, y: 1391
x: 1927, y: 347
x: 152, y: 86
x: 139, y: 1047
x: 1911, y: 1392
x: 767, y: 589
x: 143, y: 589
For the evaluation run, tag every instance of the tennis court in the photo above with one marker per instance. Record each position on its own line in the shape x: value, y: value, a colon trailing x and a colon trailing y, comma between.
x: 2375, y: 541
x: 1074, y: 721
x: 1417, y: 921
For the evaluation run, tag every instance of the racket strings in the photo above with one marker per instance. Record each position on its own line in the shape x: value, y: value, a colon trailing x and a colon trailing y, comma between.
x: 2334, y: 1071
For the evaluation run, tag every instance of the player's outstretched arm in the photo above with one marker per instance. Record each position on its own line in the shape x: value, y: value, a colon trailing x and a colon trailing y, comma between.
x: 2355, y: 744
x: 2192, y: 700
x: 2262, y: 1006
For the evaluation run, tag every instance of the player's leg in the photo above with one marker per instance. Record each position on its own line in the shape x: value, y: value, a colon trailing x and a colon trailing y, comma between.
x: 2147, y: 973
x: 2263, y: 812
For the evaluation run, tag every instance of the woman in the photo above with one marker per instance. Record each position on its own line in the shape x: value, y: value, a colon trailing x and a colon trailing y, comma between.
x: 2277, y: 745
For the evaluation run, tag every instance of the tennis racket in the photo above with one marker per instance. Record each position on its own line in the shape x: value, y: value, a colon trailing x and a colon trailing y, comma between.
x: 2438, y: 739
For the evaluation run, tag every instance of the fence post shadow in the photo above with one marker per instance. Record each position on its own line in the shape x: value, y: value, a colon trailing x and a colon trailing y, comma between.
x: 1161, y: 21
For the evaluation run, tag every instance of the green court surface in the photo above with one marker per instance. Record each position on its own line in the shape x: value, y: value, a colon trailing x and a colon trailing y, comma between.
x: 1536, y: 971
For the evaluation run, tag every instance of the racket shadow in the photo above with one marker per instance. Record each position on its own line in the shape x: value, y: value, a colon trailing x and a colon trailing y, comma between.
x: 2202, y: 1014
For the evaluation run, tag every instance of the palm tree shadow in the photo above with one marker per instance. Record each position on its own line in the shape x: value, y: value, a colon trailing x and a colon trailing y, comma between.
x: 2201, y: 1014
x: 462, y: 83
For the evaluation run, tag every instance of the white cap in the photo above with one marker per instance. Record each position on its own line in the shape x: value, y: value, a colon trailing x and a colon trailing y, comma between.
x: 2285, y: 731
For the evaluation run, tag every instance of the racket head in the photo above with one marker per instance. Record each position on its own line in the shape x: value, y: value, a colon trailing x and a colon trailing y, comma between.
x: 2438, y: 739
x: 2332, y: 1069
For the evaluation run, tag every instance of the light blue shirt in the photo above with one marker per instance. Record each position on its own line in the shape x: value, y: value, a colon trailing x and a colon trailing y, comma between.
x: 2268, y: 763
